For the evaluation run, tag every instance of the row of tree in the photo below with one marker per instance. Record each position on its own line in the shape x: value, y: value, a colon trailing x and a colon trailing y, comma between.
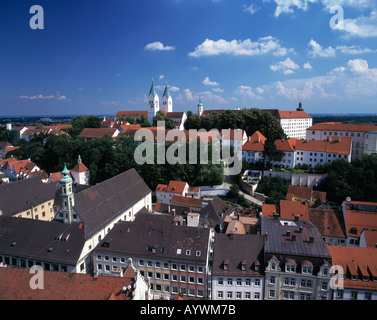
x: 106, y: 158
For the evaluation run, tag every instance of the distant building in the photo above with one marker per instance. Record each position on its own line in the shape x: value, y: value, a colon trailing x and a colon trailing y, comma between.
x: 95, y: 133
x: 253, y: 149
x: 164, y: 193
x: 80, y: 173
x: 298, y: 193
x: 293, y: 123
x: 364, y: 136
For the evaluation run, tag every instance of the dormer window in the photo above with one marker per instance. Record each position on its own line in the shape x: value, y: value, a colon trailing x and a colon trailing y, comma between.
x: 354, y: 277
x: 243, y: 265
x: 226, y: 264
x: 290, y: 267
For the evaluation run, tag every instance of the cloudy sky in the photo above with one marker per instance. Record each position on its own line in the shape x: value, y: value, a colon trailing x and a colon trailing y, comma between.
x: 98, y: 57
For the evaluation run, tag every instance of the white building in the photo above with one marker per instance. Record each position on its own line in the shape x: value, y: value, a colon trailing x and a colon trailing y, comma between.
x: 80, y: 173
x: 237, y: 267
x: 294, y: 123
x: 363, y: 135
x: 165, y: 192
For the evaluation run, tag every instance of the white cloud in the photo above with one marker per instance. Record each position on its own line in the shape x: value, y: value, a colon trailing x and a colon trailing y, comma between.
x: 307, y: 66
x: 316, y: 50
x: 354, y: 50
x: 362, y: 26
x: 288, y: 6
x: 37, y: 97
x: 217, y: 90
x: 358, y: 65
x: 238, y: 47
x: 248, y: 92
x: 158, y: 46
x: 161, y: 77
x: 252, y: 8
x: 173, y: 89
x: 188, y: 94
x: 206, y: 95
x: 207, y: 82
x: 287, y: 66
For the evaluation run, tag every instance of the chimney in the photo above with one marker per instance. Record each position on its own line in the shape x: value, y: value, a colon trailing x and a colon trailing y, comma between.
x: 173, y: 210
x: 296, y: 217
x: 275, y: 215
x: 293, y: 237
x: 288, y: 233
x: 300, y: 230
x: 311, y: 239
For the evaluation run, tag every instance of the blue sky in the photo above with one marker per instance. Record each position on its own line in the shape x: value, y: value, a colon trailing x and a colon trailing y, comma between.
x: 98, y: 57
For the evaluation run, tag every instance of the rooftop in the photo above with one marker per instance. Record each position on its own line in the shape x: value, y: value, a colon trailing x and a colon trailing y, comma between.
x: 14, y: 285
x: 339, y: 126
x: 291, y: 237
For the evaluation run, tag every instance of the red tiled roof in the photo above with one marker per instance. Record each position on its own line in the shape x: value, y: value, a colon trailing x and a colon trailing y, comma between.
x: 187, y: 201
x: 358, y: 217
x: 270, y: 209
x: 286, y: 145
x: 256, y: 142
x: 337, y: 145
x: 93, y: 133
x: 15, y: 285
x: 339, y: 126
x: 304, y: 193
x: 279, y: 114
x: 289, y: 209
x: 328, y: 221
x: 356, y: 259
x: 80, y: 167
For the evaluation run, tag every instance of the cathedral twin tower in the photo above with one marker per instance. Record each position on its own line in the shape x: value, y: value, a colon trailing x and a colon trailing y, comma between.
x: 154, y: 102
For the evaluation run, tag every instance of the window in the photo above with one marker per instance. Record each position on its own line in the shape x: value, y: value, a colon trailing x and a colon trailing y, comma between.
x: 200, y: 293
x: 141, y: 262
x: 290, y: 268
x: 256, y: 295
x: 157, y: 264
x: 198, y: 253
x: 191, y: 268
x: 200, y: 269
x: 229, y: 295
x: 247, y: 282
x: 238, y: 282
x: 191, y: 279
x: 174, y: 277
x: 229, y: 281
x: 238, y: 295
x: 307, y: 270
x: 271, y: 294
x: 257, y: 282
x: 200, y: 281
x: 220, y: 282
x: 174, y: 266
x: 272, y: 280
x: 182, y: 267
x: 183, y: 278
x: 248, y: 295
x: 166, y: 265
x: 188, y: 252
x: 157, y: 275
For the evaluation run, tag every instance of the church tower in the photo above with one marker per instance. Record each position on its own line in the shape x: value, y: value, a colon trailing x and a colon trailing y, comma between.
x: 80, y: 173
x: 154, y: 103
x: 200, y: 108
x: 67, y: 196
x: 300, y: 108
x: 167, y: 101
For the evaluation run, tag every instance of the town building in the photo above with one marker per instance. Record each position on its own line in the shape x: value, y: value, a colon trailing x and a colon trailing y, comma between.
x: 360, y: 220
x: 80, y: 173
x: 357, y: 273
x: 238, y: 267
x: 18, y: 284
x: 174, y: 259
x: 29, y: 198
x: 363, y: 135
x: 293, y: 123
x: 95, y: 133
x: 22, y: 169
x: 253, y: 149
x: 164, y: 193
x: 330, y: 224
x: 297, y: 260
x: 299, y: 193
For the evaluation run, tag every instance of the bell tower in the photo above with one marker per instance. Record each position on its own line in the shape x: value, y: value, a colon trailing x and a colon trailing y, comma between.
x: 167, y: 101
x: 67, y: 196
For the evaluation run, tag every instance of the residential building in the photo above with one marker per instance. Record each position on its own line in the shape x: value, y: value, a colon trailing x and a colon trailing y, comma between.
x: 15, y: 285
x: 293, y: 123
x: 164, y: 193
x: 313, y: 152
x: 253, y: 149
x: 215, y: 213
x: 52, y: 245
x: 357, y: 273
x: 29, y: 198
x: 238, y: 265
x: 175, y: 259
x: 363, y: 135
x: 287, y: 210
x: 359, y: 217
x: 297, y: 260
x: 298, y: 193
x: 22, y: 169
x: 178, y: 118
x: 330, y: 224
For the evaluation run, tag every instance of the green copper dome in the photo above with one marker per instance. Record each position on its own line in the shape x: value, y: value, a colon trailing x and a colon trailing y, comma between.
x: 66, y: 177
x: 166, y: 92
